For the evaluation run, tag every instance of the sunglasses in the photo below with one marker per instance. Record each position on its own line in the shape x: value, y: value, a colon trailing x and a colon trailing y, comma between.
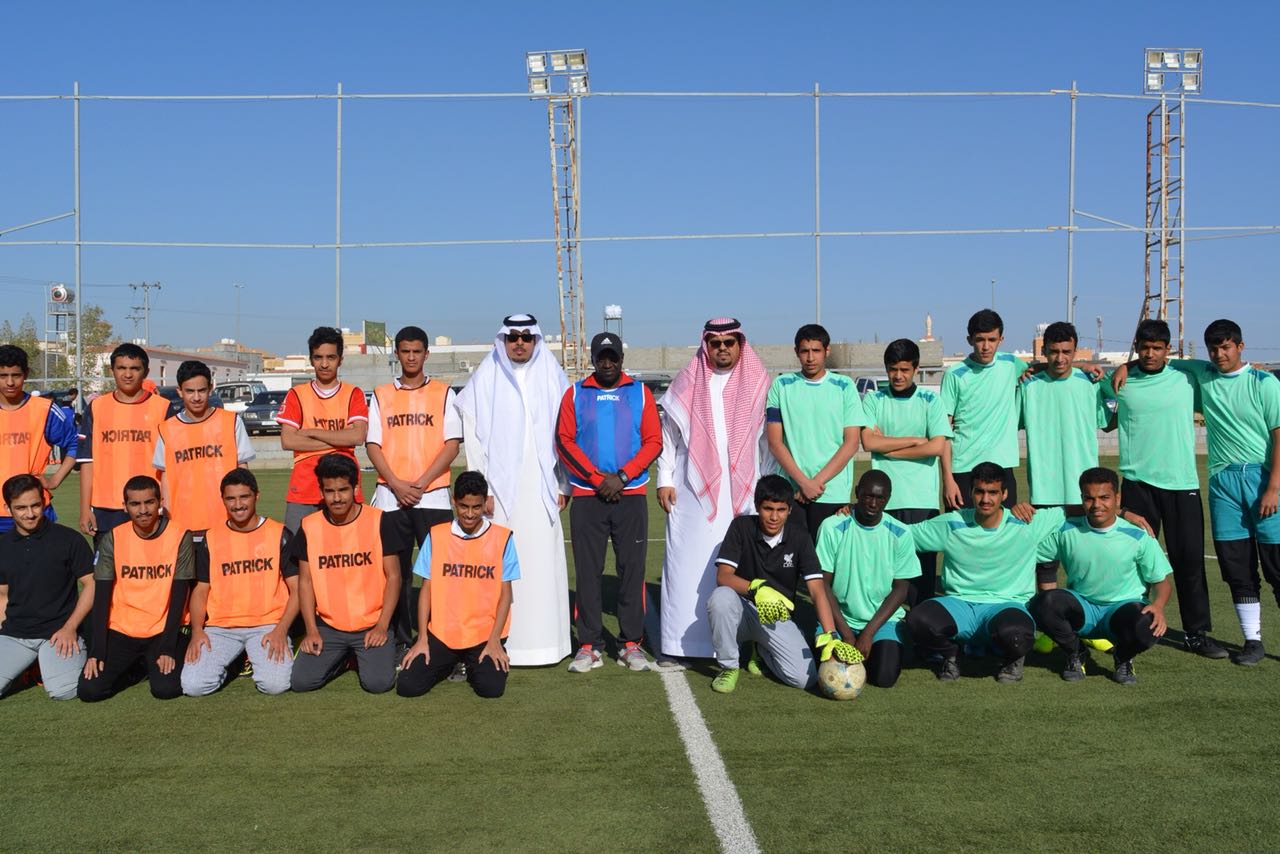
x: 513, y: 337
x: 722, y: 343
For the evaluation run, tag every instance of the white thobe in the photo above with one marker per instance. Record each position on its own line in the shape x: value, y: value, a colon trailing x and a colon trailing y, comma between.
x: 540, y: 597
x: 693, y: 541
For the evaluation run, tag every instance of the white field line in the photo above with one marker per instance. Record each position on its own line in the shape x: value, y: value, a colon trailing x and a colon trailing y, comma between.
x: 724, y: 807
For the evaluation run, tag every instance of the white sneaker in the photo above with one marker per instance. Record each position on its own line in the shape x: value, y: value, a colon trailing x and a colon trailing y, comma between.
x: 632, y: 656
x: 586, y: 659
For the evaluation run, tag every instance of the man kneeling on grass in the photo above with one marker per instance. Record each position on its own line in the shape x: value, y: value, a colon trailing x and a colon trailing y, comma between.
x: 760, y: 564
x: 868, y: 560
x: 245, y: 598
x: 464, y: 608
x: 348, y: 584
x: 1109, y: 563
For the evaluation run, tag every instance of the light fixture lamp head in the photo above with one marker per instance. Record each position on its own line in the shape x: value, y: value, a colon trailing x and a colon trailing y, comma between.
x: 1172, y: 70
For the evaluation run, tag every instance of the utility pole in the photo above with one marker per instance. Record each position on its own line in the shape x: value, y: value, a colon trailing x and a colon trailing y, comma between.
x: 1099, y: 319
x: 993, y: 294
x: 239, y: 287
x: 145, y: 308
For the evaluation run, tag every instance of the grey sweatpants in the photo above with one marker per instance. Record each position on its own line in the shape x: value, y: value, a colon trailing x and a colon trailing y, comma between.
x: 783, y: 645
x: 294, y: 513
x: 206, y: 675
x: 60, y: 675
x: 375, y: 666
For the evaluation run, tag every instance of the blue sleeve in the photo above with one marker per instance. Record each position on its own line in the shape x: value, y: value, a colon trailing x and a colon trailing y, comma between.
x: 773, y: 415
x: 422, y: 566
x: 510, y: 561
x: 60, y: 431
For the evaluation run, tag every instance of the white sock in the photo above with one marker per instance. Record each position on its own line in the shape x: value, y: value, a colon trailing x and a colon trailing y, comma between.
x: 1250, y: 614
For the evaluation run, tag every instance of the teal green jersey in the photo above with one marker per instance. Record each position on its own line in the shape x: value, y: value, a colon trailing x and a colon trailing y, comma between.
x: 863, y: 563
x: 1106, y: 565
x: 987, y: 564
x: 982, y: 402
x: 1061, y: 417
x: 1157, y: 434
x: 1240, y: 411
x: 814, y: 415
x: 916, y: 483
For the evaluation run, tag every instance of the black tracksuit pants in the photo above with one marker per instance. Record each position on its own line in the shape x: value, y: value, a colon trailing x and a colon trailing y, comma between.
x: 1181, y: 514
x: 593, y: 522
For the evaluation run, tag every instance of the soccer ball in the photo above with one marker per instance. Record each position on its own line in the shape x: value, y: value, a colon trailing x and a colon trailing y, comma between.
x: 841, y: 681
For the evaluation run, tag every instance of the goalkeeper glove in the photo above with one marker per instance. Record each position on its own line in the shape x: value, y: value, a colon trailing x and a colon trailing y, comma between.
x: 771, y: 606
x: 829, y: 644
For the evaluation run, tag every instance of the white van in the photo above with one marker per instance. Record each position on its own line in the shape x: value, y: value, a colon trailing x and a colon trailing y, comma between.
x: 237, y: 395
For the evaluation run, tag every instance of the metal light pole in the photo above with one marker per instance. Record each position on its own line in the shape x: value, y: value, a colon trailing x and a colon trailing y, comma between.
x: 560, y: 77
x: 1180, y: 72
x: 239, y: 287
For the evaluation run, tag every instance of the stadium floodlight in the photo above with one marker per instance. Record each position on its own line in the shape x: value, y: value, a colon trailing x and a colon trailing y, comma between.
x: 1173, y: 71
x: 557, y: 74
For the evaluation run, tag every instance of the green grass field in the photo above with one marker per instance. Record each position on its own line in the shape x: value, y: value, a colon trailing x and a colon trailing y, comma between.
x: 1182, y: 761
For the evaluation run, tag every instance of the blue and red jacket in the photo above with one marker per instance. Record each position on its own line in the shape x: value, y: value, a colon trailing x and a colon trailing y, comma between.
x: 602, y: 431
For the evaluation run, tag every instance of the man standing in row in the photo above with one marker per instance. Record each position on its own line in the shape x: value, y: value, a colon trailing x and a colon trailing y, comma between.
x: 321, y: 417
x: 414, y: 433
x: 813, y: 421
x: 509, y: 410
x: 607, y: 436
x: 120, y: 429
x: 979, y: 395
x: 713, y: 452
x: 1156, y: 419
x: 1061, y: 408
x: 195, y: 449
x: 909, y: 436
x: 30, y: 427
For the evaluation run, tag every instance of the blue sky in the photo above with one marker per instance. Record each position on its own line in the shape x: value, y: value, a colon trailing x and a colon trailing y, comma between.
x: 473, y: 169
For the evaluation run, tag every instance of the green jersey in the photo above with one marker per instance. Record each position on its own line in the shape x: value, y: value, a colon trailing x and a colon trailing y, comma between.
x: 1240, y: 411
x: 982, y: 403
x: 987, y: 564
x: 1155, y: 415
x: 1106, y: 565
x: 814, y: 415
x: 1061, y: 417
x: 864, y: 562
x: 916, y: 483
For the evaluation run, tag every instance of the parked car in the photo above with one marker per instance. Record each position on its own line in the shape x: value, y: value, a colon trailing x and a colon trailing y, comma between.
x: 260, y: 415
x: 170, y: 393
x: 870, y: 384
x: 239, y: 394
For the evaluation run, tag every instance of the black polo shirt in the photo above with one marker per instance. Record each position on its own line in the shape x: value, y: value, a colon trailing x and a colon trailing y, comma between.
x: 41, y: 572
x: 781, y: 566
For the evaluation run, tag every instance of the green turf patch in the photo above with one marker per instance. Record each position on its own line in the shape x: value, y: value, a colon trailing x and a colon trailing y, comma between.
x: 593, y: 762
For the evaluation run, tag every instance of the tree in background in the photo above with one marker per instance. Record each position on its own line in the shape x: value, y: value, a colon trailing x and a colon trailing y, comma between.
x: 55, y: 363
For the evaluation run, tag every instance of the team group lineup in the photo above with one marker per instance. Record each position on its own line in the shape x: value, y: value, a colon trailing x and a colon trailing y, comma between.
x: 187, y: 576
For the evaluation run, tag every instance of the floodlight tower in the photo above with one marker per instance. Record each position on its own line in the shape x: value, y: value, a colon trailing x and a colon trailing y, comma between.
x: 1166, y: 72
x: 560, y: 78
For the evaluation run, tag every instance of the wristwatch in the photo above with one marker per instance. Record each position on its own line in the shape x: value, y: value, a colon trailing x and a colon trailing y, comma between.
x: 622, y: 475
